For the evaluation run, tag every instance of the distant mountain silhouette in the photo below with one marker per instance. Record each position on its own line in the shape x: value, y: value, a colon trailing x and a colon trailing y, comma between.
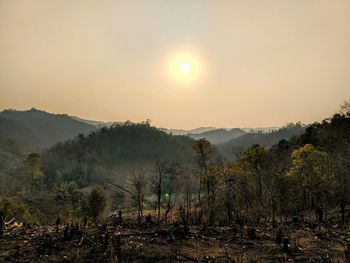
x: 40, y: 129
x: 261, y: 129
x: 218, y: 136
x: 203, y: 132
x: 234, y: 147
x: 192, y: 131
x: 98, y: 124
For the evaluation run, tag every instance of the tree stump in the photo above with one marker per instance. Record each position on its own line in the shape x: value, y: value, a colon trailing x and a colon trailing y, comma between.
x: 347, y: 252
x: 116, y: 251
x: 2, y: 226
x: 286, y: 245
x: 251, y: 231
x: 119, y: 216
x: 279, y: 236
x: 58, y: 222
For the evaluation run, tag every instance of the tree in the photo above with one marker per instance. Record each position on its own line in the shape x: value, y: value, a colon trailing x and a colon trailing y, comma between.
x: 12, y: 208
x: 189, y: 188
x: 32, y: 169
x: 67, y: 196
x: 345, y: 108
x: 173, y: 172
x: 211, y: 179
x: 254, y: 161
x: 160, y: 174
x: 228, y: 180
x: 203, y: 149
x: 309, y: 169
x: 96, y: 203
x: 279, y: 184
x: 138, y: 184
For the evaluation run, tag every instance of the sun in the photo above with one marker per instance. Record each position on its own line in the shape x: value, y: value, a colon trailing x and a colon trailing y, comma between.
x: 184, y: 67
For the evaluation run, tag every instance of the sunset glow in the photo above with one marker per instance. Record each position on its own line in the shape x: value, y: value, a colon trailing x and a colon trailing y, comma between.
x: 185, y: 68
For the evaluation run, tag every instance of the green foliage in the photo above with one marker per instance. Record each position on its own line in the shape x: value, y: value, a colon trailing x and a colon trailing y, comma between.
x: 310, y: 169
x: 67, y: 197
x: 333, y: 137
x: 308, y: 160
x: 11, y: 208
x: 96, y: 203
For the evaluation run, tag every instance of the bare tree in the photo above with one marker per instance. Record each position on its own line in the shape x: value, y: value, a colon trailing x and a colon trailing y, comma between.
x: 166, y: 174
x: 138, y: 183
x: 160, y: 173
x: 203, y: 149
x: 345, y: 108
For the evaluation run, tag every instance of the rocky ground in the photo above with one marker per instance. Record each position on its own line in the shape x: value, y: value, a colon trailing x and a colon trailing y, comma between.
x: 175, y: 244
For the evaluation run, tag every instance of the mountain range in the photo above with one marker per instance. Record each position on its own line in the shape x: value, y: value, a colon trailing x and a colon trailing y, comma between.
x: 84, y: 151
x: 218, y: 135
x: 39, y: 129
x: 232, y: 148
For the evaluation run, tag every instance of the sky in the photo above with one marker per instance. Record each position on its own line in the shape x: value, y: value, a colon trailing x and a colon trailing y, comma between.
x: 250, y: 63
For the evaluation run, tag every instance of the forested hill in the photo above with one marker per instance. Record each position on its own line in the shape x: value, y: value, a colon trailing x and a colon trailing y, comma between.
x: 332, y: 136
x: 40, y: 129
x: 218, y: 136
x: 233, y: 148
x: 82, y: 159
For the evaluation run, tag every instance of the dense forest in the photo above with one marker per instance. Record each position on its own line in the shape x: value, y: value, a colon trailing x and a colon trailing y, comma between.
x: 305, y: 173
x: 125, y: 144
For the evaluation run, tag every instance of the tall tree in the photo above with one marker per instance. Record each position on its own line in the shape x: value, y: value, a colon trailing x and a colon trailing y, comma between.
x: 204, y: 150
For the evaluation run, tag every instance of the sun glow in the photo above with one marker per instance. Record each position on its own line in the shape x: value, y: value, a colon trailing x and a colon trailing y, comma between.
x: 184, y: 67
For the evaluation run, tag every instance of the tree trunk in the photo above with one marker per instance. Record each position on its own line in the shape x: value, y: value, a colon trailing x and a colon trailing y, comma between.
x: 273, y: 215
x: 159, y: 197
x: 200, y: 203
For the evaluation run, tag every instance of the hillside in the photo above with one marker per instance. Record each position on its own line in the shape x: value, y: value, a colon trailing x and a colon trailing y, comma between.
x: 218, y: 136
x: 233, y: 148
x: 86, y: 159
x: 12, y: 153
x: 40, y: 129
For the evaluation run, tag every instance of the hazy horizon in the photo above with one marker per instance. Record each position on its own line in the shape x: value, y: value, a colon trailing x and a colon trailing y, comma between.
x: 161, y: 127
x: 181, y: 64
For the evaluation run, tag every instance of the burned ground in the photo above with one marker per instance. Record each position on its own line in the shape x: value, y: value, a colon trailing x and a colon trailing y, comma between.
x: 176, y: 244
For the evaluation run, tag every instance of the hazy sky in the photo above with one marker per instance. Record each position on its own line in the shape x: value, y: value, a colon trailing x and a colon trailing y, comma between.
x: 257, y: 62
